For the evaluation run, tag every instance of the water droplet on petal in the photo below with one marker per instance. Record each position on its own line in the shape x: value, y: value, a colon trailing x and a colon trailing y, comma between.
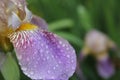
x: 24, y: 47
x: 47, y: 57
x: 48, y: 71
x: 20, y: 57
x: 28, y: 59
x: 31, y: 73
x: 24, y: 68
x: 57, y: 65
x: 68, y: 56
x: 54, y: 68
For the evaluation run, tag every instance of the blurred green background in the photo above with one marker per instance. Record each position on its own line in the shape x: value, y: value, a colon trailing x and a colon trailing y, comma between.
x: 72, y: 19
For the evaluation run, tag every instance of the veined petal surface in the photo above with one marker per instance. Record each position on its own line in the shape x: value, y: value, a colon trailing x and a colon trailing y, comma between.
x: 44, y: 55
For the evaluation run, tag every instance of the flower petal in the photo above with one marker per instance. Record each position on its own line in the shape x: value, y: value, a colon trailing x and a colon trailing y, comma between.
x: 39, y: 22
x: 19, y: 3
x: 14, y: 21
x: 28, y: 16
x: 96, y: 41
x: 44, y: 55
x: 105, y: 68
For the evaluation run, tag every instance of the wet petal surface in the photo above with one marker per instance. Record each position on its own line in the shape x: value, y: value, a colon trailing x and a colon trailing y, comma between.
x: 44, y: 55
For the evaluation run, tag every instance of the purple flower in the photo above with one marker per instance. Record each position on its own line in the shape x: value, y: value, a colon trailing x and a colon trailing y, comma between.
x: 105, y: 68
x: 97, y: 44
x: 41, y: 54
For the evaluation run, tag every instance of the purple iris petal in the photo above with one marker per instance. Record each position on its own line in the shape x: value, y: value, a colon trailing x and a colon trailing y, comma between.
x: 39, y: 22
x: 44, y: 55
x: 105, y: 68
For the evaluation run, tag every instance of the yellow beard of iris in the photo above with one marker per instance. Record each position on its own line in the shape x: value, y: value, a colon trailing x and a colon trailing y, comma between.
x: 27, y: 26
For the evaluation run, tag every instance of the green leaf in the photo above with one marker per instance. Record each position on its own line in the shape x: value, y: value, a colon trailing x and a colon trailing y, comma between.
x: 71, y: 37
x: 61, y: 24
x: 10, y: 69
x: 84, y: 18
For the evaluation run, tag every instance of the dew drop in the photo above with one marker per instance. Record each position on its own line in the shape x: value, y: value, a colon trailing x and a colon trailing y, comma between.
x: 59, y: 62
x: 63, y: 45
x: 68, y: 56
x: 32, y: 45
x: 67, y: 48
x: 46, y: 47
x: 24, y: 47
x: 24, y: 68
x: 60, y: 42
x: 48, y: 71
x: 28, y: 59
x: 19, y: 57
x: 41, y: 50
x: 31, y: 72
x: 47, y: 57
x: 56, y: 65
x: 58, y: 46
x: 47, y: 51
x: 72, y: 61
x: 42, y: 44
x: 54, y: 68
x: 52, y: 56
x: 73, y: 68
x: 52, y: 77
x: 17, y: 44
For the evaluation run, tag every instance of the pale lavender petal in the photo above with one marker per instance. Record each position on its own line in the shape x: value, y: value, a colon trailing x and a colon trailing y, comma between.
x: 39, y: 22
x: 14, y: 21
x: 105, y: 68
x: 28, y: 16
x: 44, y: 55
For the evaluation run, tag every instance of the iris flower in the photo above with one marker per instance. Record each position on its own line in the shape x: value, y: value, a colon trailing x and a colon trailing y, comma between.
x: 41, y: 54
x: 97, y: 44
